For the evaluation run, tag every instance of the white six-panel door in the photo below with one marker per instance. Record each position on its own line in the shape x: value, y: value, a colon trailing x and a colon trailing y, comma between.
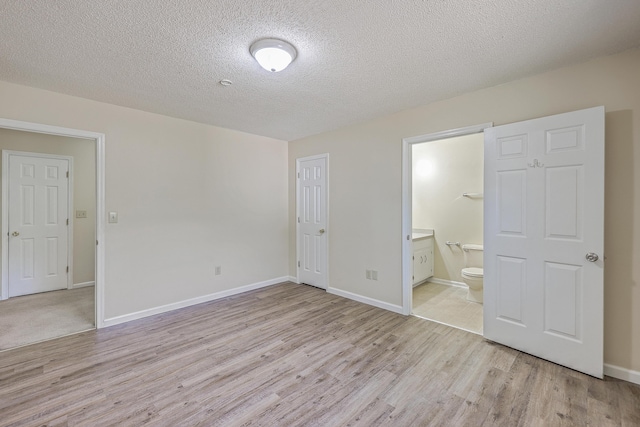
x: 312, y: 221
x: 544, y: 238
x: 38, y: 218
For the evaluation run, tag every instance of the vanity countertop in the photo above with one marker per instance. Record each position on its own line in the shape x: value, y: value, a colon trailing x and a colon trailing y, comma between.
x: 421, y: 234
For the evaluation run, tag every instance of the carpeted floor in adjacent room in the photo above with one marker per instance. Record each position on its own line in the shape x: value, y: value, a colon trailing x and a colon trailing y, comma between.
x: 38, y: 317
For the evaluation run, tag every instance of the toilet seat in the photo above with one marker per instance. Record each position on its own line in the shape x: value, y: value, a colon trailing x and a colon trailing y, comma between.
x: 473, y: 272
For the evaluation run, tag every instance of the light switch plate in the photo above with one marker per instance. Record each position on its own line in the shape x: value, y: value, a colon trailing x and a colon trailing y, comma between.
x: 81, y: 214
x: 113, y: 217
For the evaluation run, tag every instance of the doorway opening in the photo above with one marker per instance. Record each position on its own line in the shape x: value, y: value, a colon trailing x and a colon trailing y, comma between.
x: 447, y: 191
x: 52, y: 257
x: 443, y: 227
x: 543, y: 233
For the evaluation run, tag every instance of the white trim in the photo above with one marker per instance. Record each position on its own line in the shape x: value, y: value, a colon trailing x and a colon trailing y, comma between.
x: 83, y: 284
x: 407, y: 250
x: 99, y: 139
x: 328, y: 229
x: 293, y: 279
x: 4, y: 280
x: 437, y: 136
x: 365, y: 300
x: 622, y: 373
x: 447, y: 282
x: 4, y: 288
x: 189, y: 302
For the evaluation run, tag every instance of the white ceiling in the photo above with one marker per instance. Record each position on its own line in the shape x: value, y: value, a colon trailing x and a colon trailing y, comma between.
x: 357, y: 59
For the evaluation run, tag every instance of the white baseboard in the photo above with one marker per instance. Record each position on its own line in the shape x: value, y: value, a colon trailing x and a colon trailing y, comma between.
x: 622, y: 373
x: 82, y: 285
x: 366, y: 300
x: 447, y: 282
x: 193, y: 301
x: 294, y: 279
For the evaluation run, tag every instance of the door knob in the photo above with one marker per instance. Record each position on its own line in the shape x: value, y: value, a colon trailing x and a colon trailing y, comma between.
x: 591, y: 257
x: 321, y: 231
x: 15, y: 234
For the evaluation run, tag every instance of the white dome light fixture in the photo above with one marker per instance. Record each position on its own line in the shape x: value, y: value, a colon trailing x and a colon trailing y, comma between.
x: 272, y: 54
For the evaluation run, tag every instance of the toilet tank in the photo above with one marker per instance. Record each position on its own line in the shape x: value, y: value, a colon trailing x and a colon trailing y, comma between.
x: 473, y: 255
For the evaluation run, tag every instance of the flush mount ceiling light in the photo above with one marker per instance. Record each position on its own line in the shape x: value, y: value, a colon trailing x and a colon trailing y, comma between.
x: 273, y: 54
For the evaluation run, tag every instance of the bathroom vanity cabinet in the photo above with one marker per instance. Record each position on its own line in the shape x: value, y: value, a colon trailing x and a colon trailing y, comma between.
x: 422, y: 258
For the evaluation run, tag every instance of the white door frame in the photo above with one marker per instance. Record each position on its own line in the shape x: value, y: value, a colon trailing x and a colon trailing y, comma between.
x: 407, y: 215
x: 99, y: 139
x: 4, y: 288
x: 298, y: 161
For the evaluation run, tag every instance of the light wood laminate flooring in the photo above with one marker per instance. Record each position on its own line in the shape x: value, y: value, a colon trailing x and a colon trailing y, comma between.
x: 291, y: 355
x: 448, y: 305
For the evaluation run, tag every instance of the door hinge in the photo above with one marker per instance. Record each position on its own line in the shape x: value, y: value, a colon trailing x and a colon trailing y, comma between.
x: 96, y: 243
x: 298, y: 174
x: 67, y: 268
x: 298, y: 263
x: 298, y: 220
x: 67, y: 221
x: 67, y: 174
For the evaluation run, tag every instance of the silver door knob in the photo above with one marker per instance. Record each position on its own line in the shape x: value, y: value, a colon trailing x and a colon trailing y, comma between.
x: 591, y: 257
x: 321, y: 231
x: 15, y: 234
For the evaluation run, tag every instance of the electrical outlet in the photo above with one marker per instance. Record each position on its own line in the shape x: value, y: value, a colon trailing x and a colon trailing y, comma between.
x: 218, y: 270
x: 368, y: 273
x: 374, y: 274
x: 81, y: 214
x: 113, y: 217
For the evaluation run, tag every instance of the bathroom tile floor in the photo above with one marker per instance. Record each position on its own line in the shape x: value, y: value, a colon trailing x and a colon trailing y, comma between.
x: 448, y: 305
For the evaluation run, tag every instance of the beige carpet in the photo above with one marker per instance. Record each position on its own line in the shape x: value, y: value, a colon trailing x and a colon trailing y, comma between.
x: 38, y: 317
x: 448, y: 305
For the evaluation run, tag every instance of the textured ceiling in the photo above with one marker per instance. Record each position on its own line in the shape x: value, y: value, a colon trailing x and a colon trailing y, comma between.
x: 356, y: 59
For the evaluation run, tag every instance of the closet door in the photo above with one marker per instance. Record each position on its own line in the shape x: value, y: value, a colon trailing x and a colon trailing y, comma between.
x: 544, y: 238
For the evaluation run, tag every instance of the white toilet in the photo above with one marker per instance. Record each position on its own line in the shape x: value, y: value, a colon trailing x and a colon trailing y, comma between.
x: 473, y: 274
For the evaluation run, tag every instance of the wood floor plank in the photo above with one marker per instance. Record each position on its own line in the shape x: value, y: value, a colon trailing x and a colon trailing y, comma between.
x: 295, y: 355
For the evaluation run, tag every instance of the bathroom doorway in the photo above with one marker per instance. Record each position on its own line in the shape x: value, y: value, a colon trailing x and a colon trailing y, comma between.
x: 445, y: 232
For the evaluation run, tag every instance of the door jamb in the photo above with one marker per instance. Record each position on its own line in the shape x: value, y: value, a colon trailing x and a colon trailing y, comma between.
x: 407, y: 219
x: 326, y: 180
x: 4, y: 290
x: 99, y: 139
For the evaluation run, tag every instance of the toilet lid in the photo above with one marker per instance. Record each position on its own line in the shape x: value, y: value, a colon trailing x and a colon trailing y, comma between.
x: 473, y: 272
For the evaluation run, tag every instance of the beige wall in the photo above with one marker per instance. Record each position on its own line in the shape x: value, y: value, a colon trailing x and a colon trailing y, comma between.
x: 189, y: 197
x: 442, y: 171
x: 365, y: 182
x: 83, y: 153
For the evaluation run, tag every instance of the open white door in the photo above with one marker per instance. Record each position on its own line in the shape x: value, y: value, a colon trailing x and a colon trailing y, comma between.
x: 544, y: 238
x: 312, y: 213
